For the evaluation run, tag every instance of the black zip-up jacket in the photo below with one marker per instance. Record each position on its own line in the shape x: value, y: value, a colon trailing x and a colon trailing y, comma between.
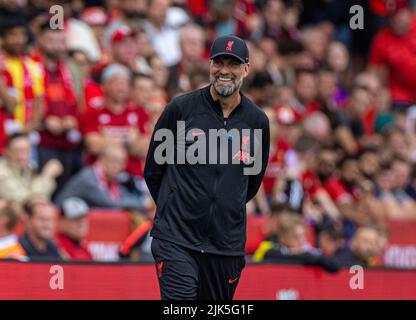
x: 203, y: 206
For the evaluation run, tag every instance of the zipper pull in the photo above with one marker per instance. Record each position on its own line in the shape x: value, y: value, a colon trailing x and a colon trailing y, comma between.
x: 225, y: 123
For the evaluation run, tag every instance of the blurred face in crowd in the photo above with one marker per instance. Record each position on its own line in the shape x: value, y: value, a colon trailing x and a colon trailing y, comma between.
x: 258, y: 60
x: 329, y: 243
x: 133, y: 8
x: 360, y: 102
x: 222, y: 10
x: 327, y: 85
x: 265, y: 52
x: 157, y: 104
x: 371, y: 82
x: 315, y: 41
x: 401, y: 172
x: 18, y: 152
x: 160, y: 72
x: 318, y: 126
x: 99, y: 32
x: 157, y: 11
x: 400, y: 22
x: 144, y: 46
x: 327, y: 160
x: 42, y: 223
x: 306, y: 87
x: 116, y: 88
x: 83, y: 63
x: 369, y: 163
x: 75, y: 229
x: 274, y: 12
x: 398, y: 143
x: 294, y: 239
x: 192, y: 44
x: 383, y: 100
x: 53, y: 43
x: 337, y: 57
x: 227, y: 75
x: 14, y: 41
x: 291, y: 18
x: 384, y: 180
x: 350, y: 171
x: 113, y: 160
x: 365, y: 243
x: 142, y: 90
x: 125, y: 51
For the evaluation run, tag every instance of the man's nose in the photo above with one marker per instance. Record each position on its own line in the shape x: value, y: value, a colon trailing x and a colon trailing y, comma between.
x: 225, y: 68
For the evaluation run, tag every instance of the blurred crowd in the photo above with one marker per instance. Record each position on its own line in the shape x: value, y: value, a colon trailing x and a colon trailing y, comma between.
x: 78, y: 105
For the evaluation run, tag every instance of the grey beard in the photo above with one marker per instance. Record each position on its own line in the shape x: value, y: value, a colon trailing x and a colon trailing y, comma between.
x: 226, y: 91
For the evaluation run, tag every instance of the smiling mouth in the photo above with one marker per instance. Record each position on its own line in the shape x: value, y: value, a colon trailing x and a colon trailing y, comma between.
x: 222, y: 79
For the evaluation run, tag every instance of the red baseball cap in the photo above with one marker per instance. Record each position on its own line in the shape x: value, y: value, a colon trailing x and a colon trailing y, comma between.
x: 388, y: 7
x: 95, y: 16
x: 122, y: 33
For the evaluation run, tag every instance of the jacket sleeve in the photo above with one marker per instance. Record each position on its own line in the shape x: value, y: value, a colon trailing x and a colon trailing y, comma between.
x: 255, y: 180
x: 154, y: 172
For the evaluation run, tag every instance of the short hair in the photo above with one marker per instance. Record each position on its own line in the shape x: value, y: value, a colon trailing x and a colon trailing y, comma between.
x: 111, y: 148
x: 137, y: 75
x: 260, y: 80
x: 288, y: 221
x: 9, y: 210
x: 12, y: 22
x: 29, y: 206
x: 14, y: 137
x: 345, y: 159
x: 114, y: 69
x: 368, y: 149
x: 306, y: 143
x: 191, y: 26
x: 398, y: 158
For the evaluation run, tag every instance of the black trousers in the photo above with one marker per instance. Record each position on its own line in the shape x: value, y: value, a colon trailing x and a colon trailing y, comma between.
x: 186, y: 274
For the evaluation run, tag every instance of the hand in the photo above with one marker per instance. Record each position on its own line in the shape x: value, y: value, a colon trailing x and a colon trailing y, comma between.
x: 133, y: 135
x: 52, y: 169
x: 254, y: 22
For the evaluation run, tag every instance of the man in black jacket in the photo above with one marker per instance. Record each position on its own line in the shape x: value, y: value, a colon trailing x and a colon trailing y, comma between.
x: 206, y: 160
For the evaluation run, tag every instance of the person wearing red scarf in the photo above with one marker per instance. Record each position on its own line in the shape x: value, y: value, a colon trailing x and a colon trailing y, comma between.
x: 23, y: 77
x: 59, y: 134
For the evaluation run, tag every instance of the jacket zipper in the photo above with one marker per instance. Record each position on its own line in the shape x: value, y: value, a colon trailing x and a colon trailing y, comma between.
x: 216, y: 178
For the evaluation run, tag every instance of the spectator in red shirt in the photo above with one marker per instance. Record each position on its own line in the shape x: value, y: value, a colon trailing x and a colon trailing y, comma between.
x: 90, y: 94
x: 115, y: 123
x: 124, y: 48
x: 73, y: 228
x: 353, y: 195
x: 8, y: 103
x: 301, y: 165
x: 306, y: 89
x: 141, y: 94
x: 59, y: 137
x: 393, y: 54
